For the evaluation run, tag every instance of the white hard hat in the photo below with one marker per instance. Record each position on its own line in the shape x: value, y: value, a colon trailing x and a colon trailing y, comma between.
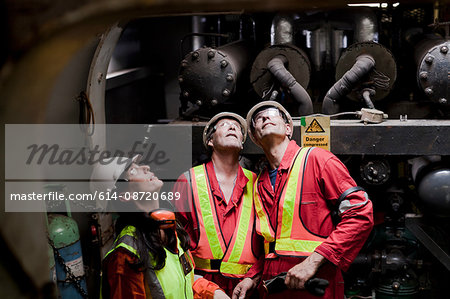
x: 267, y: 104
x: 210, y: 125
x: 106, y: 172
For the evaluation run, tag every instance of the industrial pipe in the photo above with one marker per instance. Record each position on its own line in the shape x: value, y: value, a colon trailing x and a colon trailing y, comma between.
x: 362, y: 66
x: 366, y: 98
x: 277, y: 68
x: 282, y: 30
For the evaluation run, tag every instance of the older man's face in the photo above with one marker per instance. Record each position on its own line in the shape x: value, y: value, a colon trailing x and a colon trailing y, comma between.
x: 269, y: 122
x: 227, y: 134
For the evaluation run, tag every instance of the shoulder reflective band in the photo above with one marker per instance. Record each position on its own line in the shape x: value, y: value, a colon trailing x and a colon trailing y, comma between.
x: 127, y: 240
x: 344, y: 205
x: 201, y: 187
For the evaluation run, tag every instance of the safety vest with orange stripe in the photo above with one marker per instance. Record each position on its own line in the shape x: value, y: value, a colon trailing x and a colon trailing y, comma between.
x: 290, y: 237
x: 212, y: 253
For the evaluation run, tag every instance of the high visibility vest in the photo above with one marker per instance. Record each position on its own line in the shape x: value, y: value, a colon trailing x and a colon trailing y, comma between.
x: 290, y: 237
x: 168, y: 282
x: 212, y: 253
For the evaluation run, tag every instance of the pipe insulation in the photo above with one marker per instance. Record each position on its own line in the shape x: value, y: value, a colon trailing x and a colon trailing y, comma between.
x: 277, y: 68
x: 363, y: 65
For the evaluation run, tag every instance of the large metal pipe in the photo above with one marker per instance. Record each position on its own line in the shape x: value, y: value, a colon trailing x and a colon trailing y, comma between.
x: 366, y: 25
x: 277, y: 68
x: 362, y: 66
x: 282, y: 30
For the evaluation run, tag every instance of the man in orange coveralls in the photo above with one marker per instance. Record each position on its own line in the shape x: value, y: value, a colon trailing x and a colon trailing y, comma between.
x: 216, y: 208
x: 293, y: 196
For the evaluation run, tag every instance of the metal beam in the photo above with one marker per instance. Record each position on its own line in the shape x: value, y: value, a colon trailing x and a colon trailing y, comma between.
x: 351, y: 137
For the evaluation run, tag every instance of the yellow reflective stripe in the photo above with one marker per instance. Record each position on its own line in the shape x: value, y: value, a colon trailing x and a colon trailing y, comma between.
x: 263, y: 220
x: 290, y: 195
x: 234, y: 268
x: 126, y: 231
x: 244, y: 220
x: 296, y: 245
x: 128, y: 247
x: 225, y: 267
x: 202, y: 263
x: 206, y: 212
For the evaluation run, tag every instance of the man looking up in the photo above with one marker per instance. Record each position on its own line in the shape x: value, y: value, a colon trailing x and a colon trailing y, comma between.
x: 294, y: 199
x: 216, y: 208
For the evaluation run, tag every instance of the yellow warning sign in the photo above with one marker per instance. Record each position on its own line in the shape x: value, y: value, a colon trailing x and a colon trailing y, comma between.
x: 315, y: 131
x: 316, y: 140
x: 315, y: 127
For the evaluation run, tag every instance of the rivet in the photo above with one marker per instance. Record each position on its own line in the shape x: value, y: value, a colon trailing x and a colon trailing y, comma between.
x: 429, y: 59
x: 225, y: 92
x: 99, y: 77
x: 444, y: 49
x: 442, y: 101
x: 211, y: 54
x: 214, y: 102
x: 180, y: 79
x: 199, y: 102
x: 195, y: 55
x: 428, y: 91
x: 223, y: 63
x: 423, y: 75
x: 229, y: 77
x: 186, y: 94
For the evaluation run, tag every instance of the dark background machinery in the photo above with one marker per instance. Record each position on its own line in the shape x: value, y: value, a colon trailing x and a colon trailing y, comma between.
x: 182, y: 63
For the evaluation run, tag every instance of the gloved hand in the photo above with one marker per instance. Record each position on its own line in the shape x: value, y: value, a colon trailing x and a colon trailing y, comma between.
x: 315, y: 286
x: 276, y: 284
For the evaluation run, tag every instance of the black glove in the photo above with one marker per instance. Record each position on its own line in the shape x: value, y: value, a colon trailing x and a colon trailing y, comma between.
x: 315, y: 286
x: 276, y: 284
